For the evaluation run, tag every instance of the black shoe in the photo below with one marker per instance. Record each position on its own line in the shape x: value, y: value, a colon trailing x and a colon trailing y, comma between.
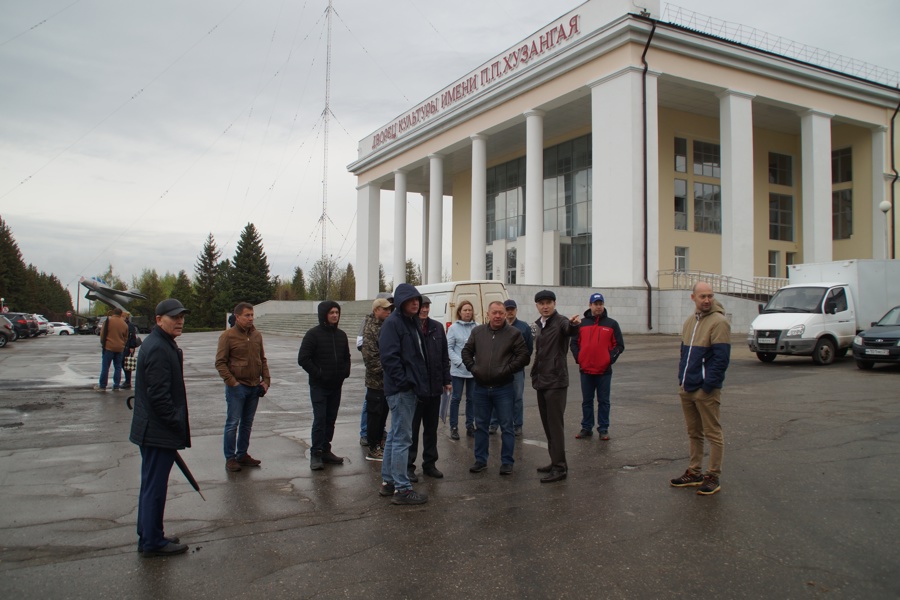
x: 492, y: 429
x: 454, y: 434
x: 409, y: 497
x: 554, y: 475
x: 315, y: 462
x: 478, y: 467
x: 546, y: 469
x: 330, y: 458
x: 506, y: 469
x: 604, y: 435
x: 363, y: 441
x: 411, y: 474
x: 171, y: 539
x: 470, y: 431
x: 583, y: 434
x: 432, y: 472
x: 387, y: 489
x: 169, y: 549
x: 518, y: 432
x: 687, y: 480
x: 710, y: 485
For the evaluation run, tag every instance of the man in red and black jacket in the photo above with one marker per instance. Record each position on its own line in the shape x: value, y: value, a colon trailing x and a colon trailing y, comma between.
x: 596, y: 348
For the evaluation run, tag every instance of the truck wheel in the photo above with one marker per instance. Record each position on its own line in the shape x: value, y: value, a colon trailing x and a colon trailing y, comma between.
x: 824, y: 352
x: 865, y: 365
x: 766, y: 356
x: 842, y: 352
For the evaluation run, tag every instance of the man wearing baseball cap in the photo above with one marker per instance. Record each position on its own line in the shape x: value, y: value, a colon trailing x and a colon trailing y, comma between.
x: 160, y: 425
x: 598, y: 345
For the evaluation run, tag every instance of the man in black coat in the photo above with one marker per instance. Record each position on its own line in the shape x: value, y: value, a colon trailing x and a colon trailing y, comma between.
x: 160, y: 425
x: 325, y: 355
x: 437, y: 359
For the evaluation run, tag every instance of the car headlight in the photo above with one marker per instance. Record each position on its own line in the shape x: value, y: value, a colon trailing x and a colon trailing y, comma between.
x: 858, y: 341
x: 796, y: 331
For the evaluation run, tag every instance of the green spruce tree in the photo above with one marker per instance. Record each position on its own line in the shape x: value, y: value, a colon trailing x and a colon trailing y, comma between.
x: 206, y: 279
x: 250, y: 270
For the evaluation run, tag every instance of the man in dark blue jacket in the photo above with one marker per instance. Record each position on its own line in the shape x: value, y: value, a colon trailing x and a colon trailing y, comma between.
x: 405, y: 379
x: 437, y: 359
x: 325, y: 355
x: 160, y: 425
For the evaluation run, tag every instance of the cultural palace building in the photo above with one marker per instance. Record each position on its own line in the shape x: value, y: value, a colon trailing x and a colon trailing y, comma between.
x: 616, y: 147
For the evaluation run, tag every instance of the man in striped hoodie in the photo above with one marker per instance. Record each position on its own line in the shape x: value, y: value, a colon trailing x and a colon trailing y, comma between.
x: 705, y: 353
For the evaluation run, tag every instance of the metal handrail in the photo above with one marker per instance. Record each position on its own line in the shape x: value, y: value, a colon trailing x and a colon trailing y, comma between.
x: 723, y: 284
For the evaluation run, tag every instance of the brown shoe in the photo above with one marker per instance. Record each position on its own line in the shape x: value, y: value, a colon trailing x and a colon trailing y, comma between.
x: 248, y: 461
x: 330, y: 458
x: 232, y: 465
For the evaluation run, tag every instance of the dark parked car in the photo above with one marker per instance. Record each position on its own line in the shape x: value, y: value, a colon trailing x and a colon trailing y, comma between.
x: 24, y: 324
x: 881, y: 343
x: 7, y: 331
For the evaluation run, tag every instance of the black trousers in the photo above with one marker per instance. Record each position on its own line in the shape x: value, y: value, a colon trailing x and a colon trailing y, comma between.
x: 377, y: 412
x: 325, y: 404
x: 426, y: 417
x: 552, y: 406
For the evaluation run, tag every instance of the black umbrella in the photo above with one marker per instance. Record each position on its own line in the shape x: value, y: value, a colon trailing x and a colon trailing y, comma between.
x: 178, y: 460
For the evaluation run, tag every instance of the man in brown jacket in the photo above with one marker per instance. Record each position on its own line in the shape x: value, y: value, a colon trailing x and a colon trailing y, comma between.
x: 113, y: 336
x: 241, y: 362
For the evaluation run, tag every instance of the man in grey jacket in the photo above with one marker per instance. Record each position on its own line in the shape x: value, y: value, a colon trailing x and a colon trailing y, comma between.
x: 493, y: 354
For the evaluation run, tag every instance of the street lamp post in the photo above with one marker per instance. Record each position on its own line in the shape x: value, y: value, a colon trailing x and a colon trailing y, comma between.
x: 885, y: 208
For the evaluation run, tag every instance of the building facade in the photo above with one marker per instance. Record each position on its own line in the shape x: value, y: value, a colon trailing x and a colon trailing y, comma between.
x: 614, y: 149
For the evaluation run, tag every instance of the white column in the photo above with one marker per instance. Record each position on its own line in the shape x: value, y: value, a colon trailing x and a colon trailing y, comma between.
x: 399, y: 227
x: 736, y: 136
x: 477, y: 263
x: 435, y: 217
x: 534, y: 196
x: 815, y: 141
x: 880, y: 249
x: 424, y: 265
x: 368, y: 205
x: 618, y: 180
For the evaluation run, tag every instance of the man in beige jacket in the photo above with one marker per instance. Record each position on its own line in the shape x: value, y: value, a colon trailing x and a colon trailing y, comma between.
x: 113, y: 336
x: 241, y: 362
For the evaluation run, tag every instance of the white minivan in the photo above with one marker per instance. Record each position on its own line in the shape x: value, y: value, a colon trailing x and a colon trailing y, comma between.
x: 446, y: 296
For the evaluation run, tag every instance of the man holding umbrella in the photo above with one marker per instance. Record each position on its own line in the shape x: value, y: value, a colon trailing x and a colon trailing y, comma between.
x: 160, y: 425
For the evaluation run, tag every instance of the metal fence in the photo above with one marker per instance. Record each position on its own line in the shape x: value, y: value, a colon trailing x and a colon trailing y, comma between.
x: 722, y: 284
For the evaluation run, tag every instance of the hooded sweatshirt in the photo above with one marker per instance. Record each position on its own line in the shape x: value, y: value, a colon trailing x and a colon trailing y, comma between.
x: 402, y: 348
x: 705, y: 350
x: 325, y: 351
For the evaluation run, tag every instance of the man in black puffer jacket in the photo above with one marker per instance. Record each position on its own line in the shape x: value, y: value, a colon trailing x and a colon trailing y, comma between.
x: 325, y: 355
x: 160, y: 425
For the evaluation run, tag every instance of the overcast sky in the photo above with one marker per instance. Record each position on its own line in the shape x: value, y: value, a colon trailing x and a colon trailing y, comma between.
x: 131, y: 130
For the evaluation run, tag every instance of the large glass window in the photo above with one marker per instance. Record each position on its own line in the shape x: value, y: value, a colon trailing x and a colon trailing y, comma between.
x: 681, y: 204
x: 707, y: 208
x: 842, y: 214
x: 511, y: 266
x: 781, y: 218
x: 680, y: 155
x: 707, y: 159
x: 506, y: 201
x: 781, y: 169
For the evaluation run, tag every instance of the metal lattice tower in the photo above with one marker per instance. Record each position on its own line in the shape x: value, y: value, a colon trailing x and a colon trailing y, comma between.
x: 327, y: 115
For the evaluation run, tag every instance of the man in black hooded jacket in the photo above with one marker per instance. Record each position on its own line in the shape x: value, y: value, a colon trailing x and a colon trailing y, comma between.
x: 325, y: 355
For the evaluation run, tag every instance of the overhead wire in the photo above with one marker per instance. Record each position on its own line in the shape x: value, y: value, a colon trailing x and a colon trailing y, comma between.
x: 39, y: 23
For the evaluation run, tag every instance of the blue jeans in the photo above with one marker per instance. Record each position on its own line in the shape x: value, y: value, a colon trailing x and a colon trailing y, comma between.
x: 456, y: 395
x: 518, y: 402
x: 364, y: 419
x: 488, y: 399
x: 116, y: 359
x: 325, y: 405
x: 599, y: 384
x: 399, y: 439
x: 241, y: 401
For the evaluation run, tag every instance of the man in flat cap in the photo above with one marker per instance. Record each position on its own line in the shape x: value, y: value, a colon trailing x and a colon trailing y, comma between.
x: 550, y: 377
x: 160, y: 425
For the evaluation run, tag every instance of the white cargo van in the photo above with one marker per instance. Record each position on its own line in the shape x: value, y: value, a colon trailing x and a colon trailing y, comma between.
x: 445, y: 297
x: 825, y: 306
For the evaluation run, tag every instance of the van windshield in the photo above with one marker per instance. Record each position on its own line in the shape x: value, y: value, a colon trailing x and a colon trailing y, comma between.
x: 803, y: 299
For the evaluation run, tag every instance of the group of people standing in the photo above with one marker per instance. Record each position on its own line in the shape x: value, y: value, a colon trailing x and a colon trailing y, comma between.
x: 410, y: 363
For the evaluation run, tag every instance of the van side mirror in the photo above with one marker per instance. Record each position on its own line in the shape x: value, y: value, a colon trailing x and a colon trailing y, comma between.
x: 830, y: 307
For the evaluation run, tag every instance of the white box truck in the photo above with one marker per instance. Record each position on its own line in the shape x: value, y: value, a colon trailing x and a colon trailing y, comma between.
x: 823, y: 308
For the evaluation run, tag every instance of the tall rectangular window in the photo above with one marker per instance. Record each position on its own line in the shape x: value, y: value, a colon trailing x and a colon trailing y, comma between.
x: 707, y: 208
x: 842, y: 214
x: 489, y: 265
x: 842, y: 165
x: 707, y: 159
x: 506, y: 201
x: 773, y: 263
x: 681, y: 204
x: 681, y: 258
x: 781, y: 218
x: 790, y: 258
x: 680, y: 155
x: 511, y: 266
x: 781, y: 169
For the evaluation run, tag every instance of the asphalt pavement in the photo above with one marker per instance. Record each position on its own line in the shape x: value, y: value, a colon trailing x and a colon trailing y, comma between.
x: 809, y: 507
